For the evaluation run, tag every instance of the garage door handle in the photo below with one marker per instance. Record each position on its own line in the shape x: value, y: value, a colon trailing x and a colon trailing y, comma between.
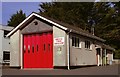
x: 33, y: 49
x: 28, y: 48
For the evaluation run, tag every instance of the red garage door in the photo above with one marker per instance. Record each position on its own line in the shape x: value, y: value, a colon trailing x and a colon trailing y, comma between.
x: 38, y: 50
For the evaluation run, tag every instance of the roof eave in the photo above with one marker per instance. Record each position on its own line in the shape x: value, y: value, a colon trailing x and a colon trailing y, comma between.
x: 84, y: 34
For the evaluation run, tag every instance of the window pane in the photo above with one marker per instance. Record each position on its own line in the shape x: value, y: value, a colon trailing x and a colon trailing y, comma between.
x: 6, y: 55
x: 87, y: 44
x: 78, y: 42
x: 72, y: 41
x: 75, y: 42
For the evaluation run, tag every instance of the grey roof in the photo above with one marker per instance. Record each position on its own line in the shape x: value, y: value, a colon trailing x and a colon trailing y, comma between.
x: 108, y: 47
x: 75, y: 29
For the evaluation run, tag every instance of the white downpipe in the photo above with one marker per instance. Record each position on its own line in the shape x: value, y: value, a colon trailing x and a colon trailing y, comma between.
x: 21, y: 42
x: 105, y: 57
x: 101, y: 56
x: 68, y: 49
x: 98, y: 60
x: 68, y: 52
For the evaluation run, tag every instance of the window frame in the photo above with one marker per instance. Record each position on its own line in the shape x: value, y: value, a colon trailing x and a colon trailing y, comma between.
x: 6, y: 53
x: 88, y: 44
x: 76, y: 42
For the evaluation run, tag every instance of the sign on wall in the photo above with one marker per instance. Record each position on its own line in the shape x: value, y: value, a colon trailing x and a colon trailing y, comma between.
x: 58, y: 41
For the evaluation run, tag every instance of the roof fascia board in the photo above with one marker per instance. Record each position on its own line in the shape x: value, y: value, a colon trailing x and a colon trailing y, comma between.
x: 84, y: 34
x: 16, y: 28
x: 58, y: 25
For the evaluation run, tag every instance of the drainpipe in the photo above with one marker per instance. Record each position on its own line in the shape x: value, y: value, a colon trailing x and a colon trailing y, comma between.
x: 98, y: 56
x: 105, y: 57
x: 98, y: 60
x: 68, y: 49
x: 101, y: 56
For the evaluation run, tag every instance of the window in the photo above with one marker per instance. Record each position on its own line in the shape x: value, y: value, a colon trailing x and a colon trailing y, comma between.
x: 6, y: 55
x: 75, y: 41
x: 87, y: 44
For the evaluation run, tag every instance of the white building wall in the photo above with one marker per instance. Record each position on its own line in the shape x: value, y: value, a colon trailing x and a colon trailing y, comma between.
x: 4, y: 45
x: 15, y: 49
x: 59, y: 51
x: 82, y: 56
x: 1, y: 50
x: 109, y: 57
x: 4, y: 42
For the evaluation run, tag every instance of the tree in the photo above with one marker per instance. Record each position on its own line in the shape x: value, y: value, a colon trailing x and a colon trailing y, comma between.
x: 74, y: 13
x: 16, y: 18
x: 108, y: 24
x: 105, y: 16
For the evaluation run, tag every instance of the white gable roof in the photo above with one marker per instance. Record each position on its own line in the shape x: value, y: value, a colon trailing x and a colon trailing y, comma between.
x: 31, y: 15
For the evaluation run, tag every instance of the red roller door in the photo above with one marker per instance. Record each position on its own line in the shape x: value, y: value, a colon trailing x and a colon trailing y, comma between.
x: 38, y: 50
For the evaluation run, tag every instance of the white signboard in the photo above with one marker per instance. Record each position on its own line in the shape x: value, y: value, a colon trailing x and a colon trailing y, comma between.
x: 59, y: 41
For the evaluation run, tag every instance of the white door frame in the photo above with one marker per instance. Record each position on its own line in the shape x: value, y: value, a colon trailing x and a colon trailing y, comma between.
x: 21, y: 52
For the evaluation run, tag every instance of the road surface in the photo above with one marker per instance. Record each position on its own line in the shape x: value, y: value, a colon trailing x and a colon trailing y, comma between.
x: 95, y: 70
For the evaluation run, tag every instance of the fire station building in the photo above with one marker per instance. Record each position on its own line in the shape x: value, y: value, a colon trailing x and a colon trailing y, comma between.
x: 42, y: 42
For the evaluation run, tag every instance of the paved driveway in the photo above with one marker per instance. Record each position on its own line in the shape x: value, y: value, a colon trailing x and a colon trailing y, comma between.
x: 95, y: 70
